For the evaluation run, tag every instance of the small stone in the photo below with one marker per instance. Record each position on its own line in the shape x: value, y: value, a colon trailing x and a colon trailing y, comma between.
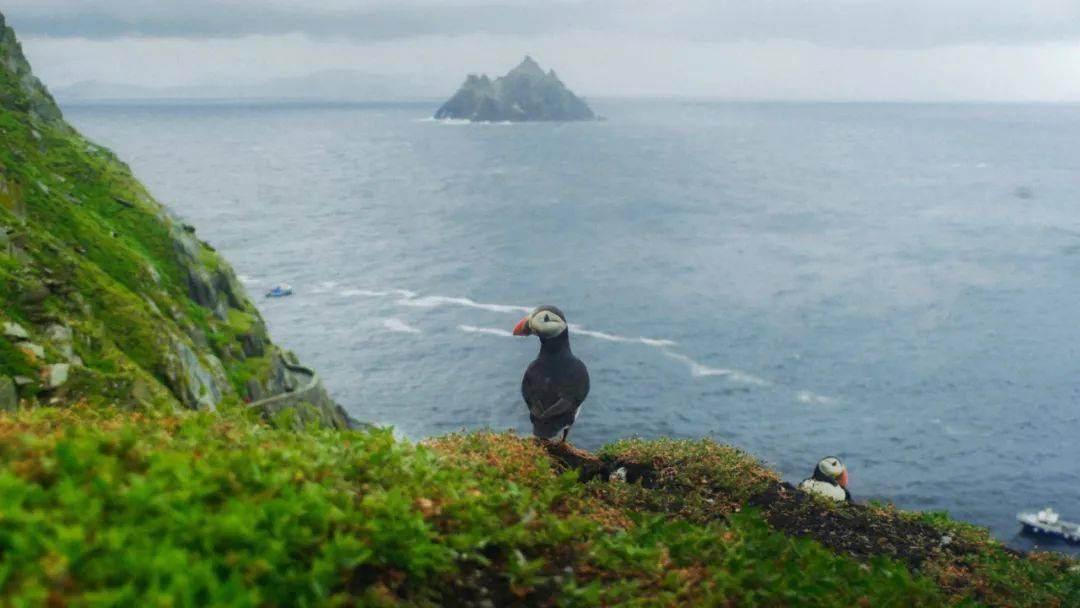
x: 61, y: 336
x: 15, y: 331
x: 22, y: 380
x: 34, y: 351
x: 56, y: 375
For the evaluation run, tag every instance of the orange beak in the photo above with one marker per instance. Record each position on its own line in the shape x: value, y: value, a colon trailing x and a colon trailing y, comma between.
x: 843, y: 479
x: 522, y: 328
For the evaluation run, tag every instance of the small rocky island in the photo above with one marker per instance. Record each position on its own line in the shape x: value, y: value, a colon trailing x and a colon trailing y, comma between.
x: 526, y: 93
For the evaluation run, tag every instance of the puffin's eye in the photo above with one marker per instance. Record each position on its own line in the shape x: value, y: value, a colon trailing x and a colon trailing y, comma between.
x: 546, y: 318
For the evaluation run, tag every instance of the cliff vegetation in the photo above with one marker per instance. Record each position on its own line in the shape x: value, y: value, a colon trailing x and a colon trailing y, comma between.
x: 105, y: 296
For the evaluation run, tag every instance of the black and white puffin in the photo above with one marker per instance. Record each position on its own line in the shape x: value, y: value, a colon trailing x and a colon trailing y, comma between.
x: 556, y: 382
x: 830, y: 480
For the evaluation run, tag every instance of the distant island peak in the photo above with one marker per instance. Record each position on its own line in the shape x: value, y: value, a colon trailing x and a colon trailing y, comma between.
x: 525, y: 93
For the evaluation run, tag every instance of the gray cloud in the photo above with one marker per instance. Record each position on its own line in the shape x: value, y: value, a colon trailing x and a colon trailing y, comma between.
x: 364, y: 21
x: 866, y: 24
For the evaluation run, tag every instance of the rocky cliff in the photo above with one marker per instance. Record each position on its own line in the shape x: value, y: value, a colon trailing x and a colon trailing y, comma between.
x: 526, y: 93
x: 104, y: 295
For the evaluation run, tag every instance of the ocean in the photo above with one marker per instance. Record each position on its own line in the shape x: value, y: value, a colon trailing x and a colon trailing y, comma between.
x: 893, y: 284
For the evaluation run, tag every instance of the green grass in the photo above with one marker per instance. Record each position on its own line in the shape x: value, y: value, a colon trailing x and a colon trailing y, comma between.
x: 13, y: 362
x: 100, y: 507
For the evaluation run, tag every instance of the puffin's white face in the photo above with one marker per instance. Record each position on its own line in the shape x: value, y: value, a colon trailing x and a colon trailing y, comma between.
x: 832, y: 467
x: 542, y: 322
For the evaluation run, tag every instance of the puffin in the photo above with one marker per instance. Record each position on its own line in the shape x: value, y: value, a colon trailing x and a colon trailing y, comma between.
x: 556, y: 382
x: 830, y: 480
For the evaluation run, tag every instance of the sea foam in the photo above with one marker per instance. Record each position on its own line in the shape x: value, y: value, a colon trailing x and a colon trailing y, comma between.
x: 400, y: 326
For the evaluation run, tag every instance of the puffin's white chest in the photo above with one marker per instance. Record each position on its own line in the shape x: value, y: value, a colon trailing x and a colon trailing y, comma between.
x: 823, y: 488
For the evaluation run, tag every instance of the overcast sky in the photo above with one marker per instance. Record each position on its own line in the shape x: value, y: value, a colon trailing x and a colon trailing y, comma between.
x: 771, y: 49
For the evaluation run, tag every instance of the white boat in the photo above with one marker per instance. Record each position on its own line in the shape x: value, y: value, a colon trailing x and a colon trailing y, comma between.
x: 1049, y: 523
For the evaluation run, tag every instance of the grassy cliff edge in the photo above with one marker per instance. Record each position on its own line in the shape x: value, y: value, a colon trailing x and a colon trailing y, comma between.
x: 103, y: 507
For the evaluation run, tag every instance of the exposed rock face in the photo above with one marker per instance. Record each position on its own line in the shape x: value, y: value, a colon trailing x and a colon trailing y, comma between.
x: 105, y: 296
x: 298, y: 388
x: 525, y: 93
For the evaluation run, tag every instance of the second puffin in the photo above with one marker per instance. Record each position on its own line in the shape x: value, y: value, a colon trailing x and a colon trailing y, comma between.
x: 556, y: 382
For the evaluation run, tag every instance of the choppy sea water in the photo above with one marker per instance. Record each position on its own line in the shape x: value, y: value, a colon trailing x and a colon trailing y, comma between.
x: 893, y: 284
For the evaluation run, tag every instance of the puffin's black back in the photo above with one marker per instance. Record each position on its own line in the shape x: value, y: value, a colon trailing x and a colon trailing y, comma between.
x: 554, y: 386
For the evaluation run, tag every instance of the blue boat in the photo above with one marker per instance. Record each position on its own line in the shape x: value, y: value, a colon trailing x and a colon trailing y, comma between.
x: 279, y: 291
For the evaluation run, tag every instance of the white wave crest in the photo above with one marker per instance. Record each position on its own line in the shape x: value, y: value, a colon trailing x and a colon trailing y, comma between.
x: 658, y: 343
x: 600, y: 335
x: 364, y: 292
x: 400, y: 326
x: 814, y: 398
x: 447, y: 121
x: 699, y: 370
x: 491, y: 331
x: 436, y: 301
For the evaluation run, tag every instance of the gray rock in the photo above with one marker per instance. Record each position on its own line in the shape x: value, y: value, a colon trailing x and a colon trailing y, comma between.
x: 154, y: 275
x: 34, y: 350
x: 9, y: 398
x: 62, y: 338
x: 15, y: 331
x: 56, y: 375
x: 200, y: 384
x: 297, y: 388
x: 526, y: 93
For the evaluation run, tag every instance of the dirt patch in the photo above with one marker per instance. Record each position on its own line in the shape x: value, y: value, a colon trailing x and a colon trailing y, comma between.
x: 858, y: 530
x: 855, y: 529
x: 591, y: 467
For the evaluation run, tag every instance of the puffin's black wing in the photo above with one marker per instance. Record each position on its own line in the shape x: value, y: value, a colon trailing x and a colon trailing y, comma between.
x: 552, y: 389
